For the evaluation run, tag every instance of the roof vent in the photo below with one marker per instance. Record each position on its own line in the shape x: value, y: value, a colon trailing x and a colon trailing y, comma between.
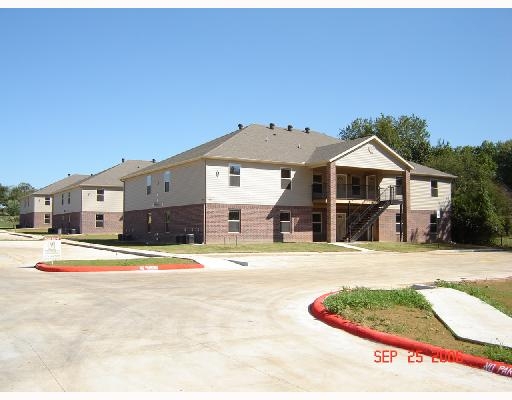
x: 240, y: 126
x: 306, y: 129
x: 272, y: 125
x: 69, y: 174
x: 290, y: 128
x: 122, y: 159
x: 153, y: 161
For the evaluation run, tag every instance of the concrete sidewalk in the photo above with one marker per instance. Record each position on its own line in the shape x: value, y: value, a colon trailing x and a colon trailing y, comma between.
x: 470, y: 318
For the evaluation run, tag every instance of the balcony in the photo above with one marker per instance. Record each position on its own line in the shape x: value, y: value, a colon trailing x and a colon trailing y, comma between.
x: 357, y: 192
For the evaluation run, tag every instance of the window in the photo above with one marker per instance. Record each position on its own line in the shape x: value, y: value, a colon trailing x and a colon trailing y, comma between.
x: 398, y: 223
x: 99, y: 220
x: 167, y: 221
x: 149, y: 220
x: 69, y: 197
x: 148, y: 184
x: 167, y: 181
x: 286, y: 178
x: 234, y: 174
x: 318, y: 184
x: 285, y: 222
x: 62, y: 199
x: 399, y: 185
x: 356, y: 186
x: 433, y: 188
x: 317, y: 222
x: 100, y: 194
x: 47, y: 218
x: 234, y: 221
x: 433, y: 223
x: 47, y: 201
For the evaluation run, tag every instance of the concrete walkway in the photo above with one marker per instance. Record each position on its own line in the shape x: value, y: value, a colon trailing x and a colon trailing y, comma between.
x: 469, y: 318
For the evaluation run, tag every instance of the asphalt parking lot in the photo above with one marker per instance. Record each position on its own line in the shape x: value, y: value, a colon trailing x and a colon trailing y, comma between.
x: 214, y: 330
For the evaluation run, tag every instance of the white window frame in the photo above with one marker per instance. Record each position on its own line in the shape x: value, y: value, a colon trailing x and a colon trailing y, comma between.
x: 47, y: 219
x: 167, y: 221
x: 434, y: 188
x: 101, y: 221
x: 167, y: 181
x: 281, y: 221
x: 399, y: 192
x: 398, y: 223
x: 286, y: 182
x: 69, y: 197
x: 236, y: 221
x: 100, y: 194
x: 62, y: 199
x: 232, y: 176
x: 148, y: 185
x: 47, y: 201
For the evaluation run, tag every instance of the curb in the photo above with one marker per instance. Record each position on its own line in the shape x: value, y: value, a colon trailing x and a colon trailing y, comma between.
x: 318, y: 310
x: 94, y: 268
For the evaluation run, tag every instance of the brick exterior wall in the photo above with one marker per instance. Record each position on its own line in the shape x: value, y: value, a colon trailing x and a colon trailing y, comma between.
x: 386, y: 227
x: 183, y: 220
x: 257, y: 224
x: 34, y: 220
x: 112, y: 222
x: 66, y: 222
x: 331, y: 202
x: 419, y: 227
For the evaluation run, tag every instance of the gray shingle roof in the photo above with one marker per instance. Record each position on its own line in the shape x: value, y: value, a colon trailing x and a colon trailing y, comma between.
x: 254, y: 142
x: 325, y: 153
x: 427, y: 171
x: 59, y: 185
x: 111, y: 176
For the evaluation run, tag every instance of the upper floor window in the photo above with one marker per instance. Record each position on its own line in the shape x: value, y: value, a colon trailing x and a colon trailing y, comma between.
x: 356, y: 186
x: 286, y: 178
x: 399, y: 185
x: 433, y: 188
x: 100, y: 194
x: 62, y: 199
x: 167, y: 181
x: 69, y: 197
x: 317, y: 184
x: 234, y: 174
x: 47, y: 201
x: 148, y: 184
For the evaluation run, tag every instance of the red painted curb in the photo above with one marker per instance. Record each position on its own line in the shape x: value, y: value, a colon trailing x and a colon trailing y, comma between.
x: 318, y: 310
x: 94, y: 268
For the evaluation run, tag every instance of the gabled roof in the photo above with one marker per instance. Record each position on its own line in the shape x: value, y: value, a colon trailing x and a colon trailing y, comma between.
x: 57, y: 186
x: 427, y: 171
x: 111, y: 176
x: 253, y: 143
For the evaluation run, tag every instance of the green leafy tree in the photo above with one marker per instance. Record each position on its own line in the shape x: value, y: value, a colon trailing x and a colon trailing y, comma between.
x: 12, y: 210
x: 407, y: 135
x: 20, y: 190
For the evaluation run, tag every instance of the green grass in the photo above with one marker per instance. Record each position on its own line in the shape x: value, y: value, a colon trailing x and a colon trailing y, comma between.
x: 407, y: 313
x: 125, y: 262
x: 406, y: 247
x: 4, y: 222
x: 505, y: 242
x: 33, y: 231
x: 111, y: 240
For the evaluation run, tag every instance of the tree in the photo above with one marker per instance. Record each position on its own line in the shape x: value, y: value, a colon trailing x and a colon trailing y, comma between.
x: 4, y: 190
x: 12, y: 210
x: 407, y: 135
x: 20, y: 190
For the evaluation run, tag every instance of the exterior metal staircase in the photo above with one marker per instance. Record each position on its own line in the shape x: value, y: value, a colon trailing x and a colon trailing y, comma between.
x: 366, y: 214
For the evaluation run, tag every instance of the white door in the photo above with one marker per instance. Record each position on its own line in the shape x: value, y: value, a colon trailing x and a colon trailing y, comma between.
x: 371, y: 183
x: 341, y: 226
x: 341, y: 186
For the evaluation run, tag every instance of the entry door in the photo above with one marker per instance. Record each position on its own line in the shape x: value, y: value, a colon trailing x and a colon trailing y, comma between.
x: 341, y: 226
x: 341, y: 186
x: 371, y: 183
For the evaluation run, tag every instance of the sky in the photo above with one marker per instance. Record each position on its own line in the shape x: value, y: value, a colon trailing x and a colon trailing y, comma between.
x: 82, y: 88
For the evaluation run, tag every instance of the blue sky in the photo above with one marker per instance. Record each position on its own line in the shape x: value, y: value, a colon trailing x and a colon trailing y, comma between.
x: 80, y: 89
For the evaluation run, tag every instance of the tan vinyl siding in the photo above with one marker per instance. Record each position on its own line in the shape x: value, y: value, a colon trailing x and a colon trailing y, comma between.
x: 187, y: 187
x: 387, y: 181
x: 39, y: 206
x: 113, y: 200
x: 369, y: 156
x: 259, y: 184
x: 421, y: 198
x: 74, y: 206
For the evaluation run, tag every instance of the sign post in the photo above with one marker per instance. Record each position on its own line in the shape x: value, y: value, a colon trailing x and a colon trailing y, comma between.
x: 51, y: 248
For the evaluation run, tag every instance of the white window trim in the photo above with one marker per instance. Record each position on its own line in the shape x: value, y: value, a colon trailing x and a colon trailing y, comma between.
x: 289, y: 221
x: 149, y: 182
x: 233, y: 175
x: 167, y: 179
x: 290, y: 178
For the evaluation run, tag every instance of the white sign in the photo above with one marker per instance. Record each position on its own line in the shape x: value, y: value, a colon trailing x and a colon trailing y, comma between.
x: 51, y: 248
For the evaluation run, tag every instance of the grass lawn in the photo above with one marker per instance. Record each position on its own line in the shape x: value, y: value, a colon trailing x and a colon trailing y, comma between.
x: 4, y: 222
x: 505, y: 242
x: 406, y: 313
x: 125, y: 262
x: 32, y: 231
x: 111, y: 240
x: 406, y: 247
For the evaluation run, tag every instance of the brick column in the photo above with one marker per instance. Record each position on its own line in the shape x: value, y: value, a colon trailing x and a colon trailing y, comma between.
x: 406, y: 190
x: 331, y: 202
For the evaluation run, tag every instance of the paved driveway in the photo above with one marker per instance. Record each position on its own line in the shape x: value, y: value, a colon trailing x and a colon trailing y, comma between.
x: 214, y: 330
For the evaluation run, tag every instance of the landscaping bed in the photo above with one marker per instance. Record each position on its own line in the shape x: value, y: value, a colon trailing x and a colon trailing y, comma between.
x: 406, y: 313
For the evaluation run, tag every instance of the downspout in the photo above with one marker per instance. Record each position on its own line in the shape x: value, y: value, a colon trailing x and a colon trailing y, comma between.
x: 204, y: 206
